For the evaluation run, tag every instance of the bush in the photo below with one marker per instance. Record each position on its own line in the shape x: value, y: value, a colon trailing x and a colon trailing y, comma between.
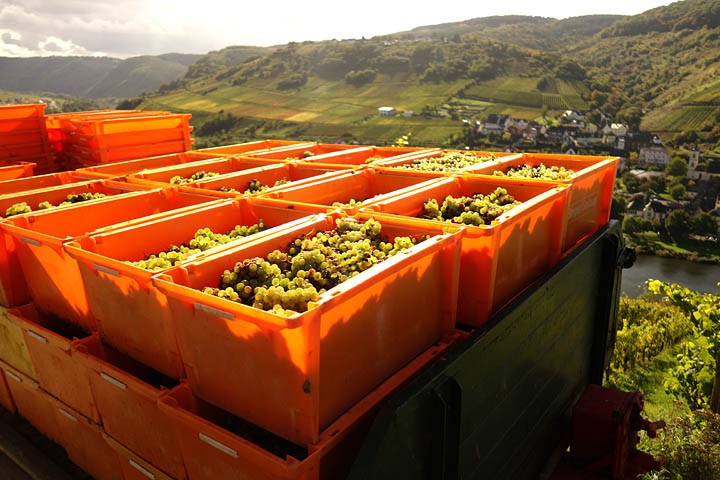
x: 296, y: 80
x: 645, y: 329
x: 691, y: 448
x: 360, y: 77
x: 223, y: 122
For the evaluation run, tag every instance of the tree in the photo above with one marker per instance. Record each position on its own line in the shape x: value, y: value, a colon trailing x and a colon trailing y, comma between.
x: 618, y: 208
x: 634, y: 225
x: 704, y: 224
x: 677, y: 191
x: 657, y: 184
x: 631, y: 182
x: 678, y: 224
x: 677, y: 167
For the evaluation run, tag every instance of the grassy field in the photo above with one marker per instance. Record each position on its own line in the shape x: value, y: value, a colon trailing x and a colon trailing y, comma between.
x: 678, y: 118
x: 521, y: 91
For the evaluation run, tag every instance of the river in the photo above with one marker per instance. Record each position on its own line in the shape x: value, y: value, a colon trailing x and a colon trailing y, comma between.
x: 695, y: 276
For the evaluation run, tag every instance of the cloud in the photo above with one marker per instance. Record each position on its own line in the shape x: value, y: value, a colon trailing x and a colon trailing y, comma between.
x: 14, y: 44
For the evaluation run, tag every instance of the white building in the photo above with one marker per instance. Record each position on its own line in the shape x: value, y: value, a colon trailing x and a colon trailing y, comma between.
x: 619, y: 129
x: 695, y: 173
x: 386, y: 111
x: 656, y: 155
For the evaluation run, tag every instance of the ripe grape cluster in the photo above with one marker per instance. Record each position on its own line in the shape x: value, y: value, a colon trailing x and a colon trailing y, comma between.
x: 476, y: 210
x: 255, y: 186
x: 180, y: 180
x: 289, y: 281
x: 23, y: 207
x: 540, y: 171
x: 374, y: 159
x: 204, y: 239
x: 308, y: 153
x: 446, y: 162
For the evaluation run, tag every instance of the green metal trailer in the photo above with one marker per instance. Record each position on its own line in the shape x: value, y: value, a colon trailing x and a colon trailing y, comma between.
x: 498, y: 404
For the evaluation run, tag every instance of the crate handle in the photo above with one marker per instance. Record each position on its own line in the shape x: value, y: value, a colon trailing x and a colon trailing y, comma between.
x: 68, y: 415
x: 214, y: 311
x: 109, y: 271
x: 30, y: 241
x: 13, y: 376
x: 37, y: 336
x: 112, y: 380
x: 223, y: 448
x: 142, y: 469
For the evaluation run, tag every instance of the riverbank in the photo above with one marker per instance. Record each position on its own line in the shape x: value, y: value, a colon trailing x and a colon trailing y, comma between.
x: 695, y: 276
x: 693, y: 250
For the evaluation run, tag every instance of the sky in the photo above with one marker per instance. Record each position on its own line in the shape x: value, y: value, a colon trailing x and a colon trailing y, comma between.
x: 124, y: 28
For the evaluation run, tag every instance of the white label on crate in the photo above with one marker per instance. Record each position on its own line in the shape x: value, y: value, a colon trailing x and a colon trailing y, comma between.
x: 68, y: 415
x: 107, y: 270
x: 225, y: 449
x: 142, y: 469
x: 13, y: 376
x: 214, y: 311
x: 112, y: 380
x: 37, y: 336
x: 30, y: 241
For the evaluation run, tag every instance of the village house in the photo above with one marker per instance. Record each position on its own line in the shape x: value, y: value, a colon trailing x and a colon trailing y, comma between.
x: 656, y: 210
x: 702, y: 172
x: 386, y: 111
x: 494, y: 124
x: 656, y: 155
x: 572, y: 115
x: 619, y: 129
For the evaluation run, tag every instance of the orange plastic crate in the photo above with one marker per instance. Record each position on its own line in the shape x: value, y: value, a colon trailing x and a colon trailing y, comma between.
x: 296, y: 173
x: 11, y: 171
x: 321, y: 361
x: 95, y: 127
x: 38, y: 238
x: 590, y: 193
x: 84, y: 443
x: 127, y: 395
x: 49, y: 341
x: 212, y: 451
x: 161, y: 177
x: 359, y: 157
x: 20, y: 185
x: 119, y: 140
x: 133, y: 466
x: 115, y: 288
x: 81, y: 155
x: 406, y: 161
x: 129, y: 167
x: 498, y: 261
x: 31, y: 403
x: 35, y: 135
x: 21, y: 110
x: 324, y: 152
x: 20, y: 151
x: 13, y: 348
x: 245, y: 148
x: 6, y: 400
x: 368, y: 186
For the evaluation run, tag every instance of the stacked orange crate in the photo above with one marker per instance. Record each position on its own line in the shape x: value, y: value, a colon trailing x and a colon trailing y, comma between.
x: 87, y: 139
x: 24, y: 139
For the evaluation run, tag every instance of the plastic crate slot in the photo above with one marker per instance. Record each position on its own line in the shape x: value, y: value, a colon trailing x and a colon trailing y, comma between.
x: 223, y: 448
x: 113, y: 381
x: 13, y: 376
x: 37, y: 336
x: 214, y: 311
x: 109, y: 271
x: 30, y: 241
x: 67, y: 414
x: 141, y: 469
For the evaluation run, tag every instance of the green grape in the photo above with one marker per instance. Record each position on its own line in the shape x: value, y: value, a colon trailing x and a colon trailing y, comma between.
x: 540, y: 171
x: 80, y: 197
x: 227, y: 190
x: 254, y: 186
x: 374, y: 159
x: 18, y: 209
x: 476, y: 210
x: 308, y: 153
x: 45, y: 205
x: 180, y: 180
x: 289, y: 281
x: 203, y: 240
x: 446, y: 162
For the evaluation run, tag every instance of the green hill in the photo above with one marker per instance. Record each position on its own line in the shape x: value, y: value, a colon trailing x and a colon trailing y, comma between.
x: 659, y: 70
x: 93, y: 77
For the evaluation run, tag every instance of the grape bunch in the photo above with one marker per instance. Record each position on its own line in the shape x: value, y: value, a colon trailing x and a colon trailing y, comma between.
x: 308, y: 153
x: 374, y: 159
x: 353, y: 203
x: 255, y: 186
x: 180, y: 180
x: 446, y: 162
x: 540, y: 171
x: 289, y: 281
x: 23, y: 207
x: 203, y: 240
x: 476, y: 210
